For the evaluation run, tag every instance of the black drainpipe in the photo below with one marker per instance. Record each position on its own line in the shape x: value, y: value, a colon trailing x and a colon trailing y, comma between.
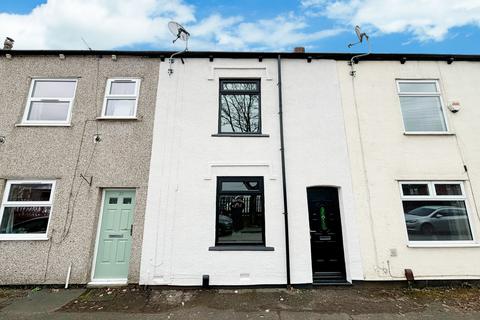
x: 284, y: 179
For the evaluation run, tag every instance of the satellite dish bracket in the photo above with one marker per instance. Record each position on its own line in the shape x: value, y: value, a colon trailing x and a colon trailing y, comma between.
x: 180, y: 33
x: 354, y: 59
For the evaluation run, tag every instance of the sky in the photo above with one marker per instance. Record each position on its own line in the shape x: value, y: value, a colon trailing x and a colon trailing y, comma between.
x: 394, y: 26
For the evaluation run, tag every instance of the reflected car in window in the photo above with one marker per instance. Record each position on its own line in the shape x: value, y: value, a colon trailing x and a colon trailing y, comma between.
x: 225, y: 225
x: 429, y: 220
x: 35, y: 225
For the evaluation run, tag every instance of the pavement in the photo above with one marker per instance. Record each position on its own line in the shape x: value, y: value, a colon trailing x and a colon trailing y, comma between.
x: 235, y: 304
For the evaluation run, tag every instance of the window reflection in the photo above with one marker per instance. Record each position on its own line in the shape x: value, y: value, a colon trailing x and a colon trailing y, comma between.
x: 436, y: 220
x: 239, y: 106
x: 240, y: 214
x: 25, y: 220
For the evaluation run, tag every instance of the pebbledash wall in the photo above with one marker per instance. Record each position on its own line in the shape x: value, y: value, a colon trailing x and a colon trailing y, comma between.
x: 188, y: 156
x: 383, y: 154
x: 61, y: 153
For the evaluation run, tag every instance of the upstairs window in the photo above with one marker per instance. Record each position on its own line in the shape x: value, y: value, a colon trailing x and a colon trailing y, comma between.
x: 121, y: 98
x: 50, y: 102
x: 240, y: 211
x: 26, y: 208
x: 435, y: 211
x: 239, y: 106
x: 421, y: 106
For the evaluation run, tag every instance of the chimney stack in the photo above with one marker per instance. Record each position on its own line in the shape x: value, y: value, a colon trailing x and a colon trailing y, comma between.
x: 299, y: 50
x: 8, y: 44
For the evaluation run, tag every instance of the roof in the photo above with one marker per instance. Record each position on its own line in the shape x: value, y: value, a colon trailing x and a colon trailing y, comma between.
x: 252, y: 55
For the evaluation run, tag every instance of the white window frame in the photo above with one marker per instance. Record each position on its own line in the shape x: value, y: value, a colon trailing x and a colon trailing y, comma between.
x: 438, y: 94
x: 433, y: 196
x: 8, y: 204
x: 31, y: 99
x: 121, y: 97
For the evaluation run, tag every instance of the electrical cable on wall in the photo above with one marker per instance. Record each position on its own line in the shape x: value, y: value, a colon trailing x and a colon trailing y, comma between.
x: 360, y: 36
x: 71, y: 205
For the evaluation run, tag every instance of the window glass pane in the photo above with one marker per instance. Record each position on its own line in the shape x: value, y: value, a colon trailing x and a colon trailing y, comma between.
x: 25, y: 220
x: 240, y: 186
x: 127, y: 200
x: 436, y: 220
x: 240, y: 219
x: 240, y: 113
x: 30, y: 192
x: 448, y: 189
x: 53, y: 89
x: 48, y: 111
x: 415, y: 189
x: 122, y: 87
x: 240, y: 86
x: 120, y: 108
x: 112, y: 201
x: 417, y: 87
x: 422, y: 114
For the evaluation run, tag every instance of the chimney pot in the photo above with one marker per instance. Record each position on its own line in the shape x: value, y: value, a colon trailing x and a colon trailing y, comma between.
x: 299, y: 50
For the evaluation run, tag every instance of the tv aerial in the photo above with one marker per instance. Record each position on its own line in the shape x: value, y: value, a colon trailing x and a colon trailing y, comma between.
x: 181, y: 33
x: 361, y: 36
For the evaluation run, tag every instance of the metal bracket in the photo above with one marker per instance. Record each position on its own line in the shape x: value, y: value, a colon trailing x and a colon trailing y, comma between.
x: 88, y: 180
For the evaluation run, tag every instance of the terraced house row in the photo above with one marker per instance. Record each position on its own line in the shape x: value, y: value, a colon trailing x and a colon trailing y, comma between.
x: 237, y: 168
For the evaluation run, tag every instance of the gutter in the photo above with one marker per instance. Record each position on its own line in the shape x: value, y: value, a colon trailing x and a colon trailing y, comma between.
x: 211, y: 55
x: 284, y: 179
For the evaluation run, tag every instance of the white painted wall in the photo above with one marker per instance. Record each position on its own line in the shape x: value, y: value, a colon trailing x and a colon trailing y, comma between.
x: 316, y: 155
x: 390, y: 156
x: 180, y: 213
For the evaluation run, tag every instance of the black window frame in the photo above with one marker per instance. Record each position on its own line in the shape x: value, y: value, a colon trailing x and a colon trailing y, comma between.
x: 261, y: 192
x: 239, y: 92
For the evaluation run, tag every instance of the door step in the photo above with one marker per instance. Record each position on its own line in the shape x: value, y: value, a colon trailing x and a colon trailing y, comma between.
x: 329, y: 282
x: 329, y: 278
x: 107, y: 283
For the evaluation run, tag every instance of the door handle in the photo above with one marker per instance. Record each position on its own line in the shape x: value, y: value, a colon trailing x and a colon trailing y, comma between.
x: 131, y: 230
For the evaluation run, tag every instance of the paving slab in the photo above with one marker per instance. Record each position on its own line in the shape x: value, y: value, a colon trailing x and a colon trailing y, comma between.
x: 43, y: 301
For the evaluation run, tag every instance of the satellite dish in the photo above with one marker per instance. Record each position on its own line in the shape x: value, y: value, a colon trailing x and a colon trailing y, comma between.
x: 360, y: 36
x: 178, y: 31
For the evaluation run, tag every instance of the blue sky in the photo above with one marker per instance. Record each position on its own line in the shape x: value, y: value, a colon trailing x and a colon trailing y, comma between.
x: 415, y: 26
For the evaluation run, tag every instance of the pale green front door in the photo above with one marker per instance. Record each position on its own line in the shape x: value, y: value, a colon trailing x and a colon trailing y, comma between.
x: 115, y: 239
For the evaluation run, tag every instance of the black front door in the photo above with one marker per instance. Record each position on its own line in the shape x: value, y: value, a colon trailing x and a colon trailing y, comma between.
x: 328, y: 262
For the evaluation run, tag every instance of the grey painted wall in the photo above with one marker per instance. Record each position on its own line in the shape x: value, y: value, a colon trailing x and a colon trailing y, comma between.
x: 120, y: 160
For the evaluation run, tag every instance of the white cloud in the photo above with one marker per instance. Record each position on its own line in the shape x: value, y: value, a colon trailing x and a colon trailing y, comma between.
x: 103, y: 23
x: 281, y: 32
x: 109, y: 24
x: 426, y: 19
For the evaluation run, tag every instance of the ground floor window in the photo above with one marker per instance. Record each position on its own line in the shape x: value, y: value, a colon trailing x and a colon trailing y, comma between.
x: 26, y: 207
x: 240, y: 211
x: 435, y: 211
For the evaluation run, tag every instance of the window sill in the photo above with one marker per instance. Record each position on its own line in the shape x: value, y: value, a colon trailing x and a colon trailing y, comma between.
x: 240, y: 248
x: 444, y: 245
x: 17, y: 237
x: 428, y: 133
x: 243, y: 135
x: 117, y: 118
x: 43, y: 125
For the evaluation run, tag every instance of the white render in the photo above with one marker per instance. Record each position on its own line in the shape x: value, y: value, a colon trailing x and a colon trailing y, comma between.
x: 382, y: 155
x: 186, y: 159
